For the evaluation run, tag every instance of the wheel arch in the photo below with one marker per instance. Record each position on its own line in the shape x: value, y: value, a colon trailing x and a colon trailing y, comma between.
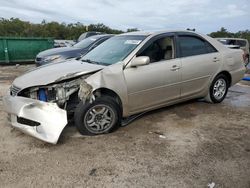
x: 108, y: 92
x: 229, y: 78
x: 228, y: 75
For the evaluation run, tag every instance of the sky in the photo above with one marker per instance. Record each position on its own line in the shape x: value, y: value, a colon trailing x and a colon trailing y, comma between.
x: 204, y: 15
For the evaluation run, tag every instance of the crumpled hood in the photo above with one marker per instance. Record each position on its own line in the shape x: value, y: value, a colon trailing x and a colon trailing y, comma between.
x: 55, y: 72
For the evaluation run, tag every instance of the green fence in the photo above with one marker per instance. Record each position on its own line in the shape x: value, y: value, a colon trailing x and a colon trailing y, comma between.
x: 18, y: 50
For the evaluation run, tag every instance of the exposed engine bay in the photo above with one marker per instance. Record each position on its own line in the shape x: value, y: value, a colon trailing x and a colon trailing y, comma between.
x: 60, y: 93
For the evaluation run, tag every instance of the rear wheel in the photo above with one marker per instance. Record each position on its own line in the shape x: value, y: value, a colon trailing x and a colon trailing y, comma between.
x: 99, y: 117
x: 218, y: 89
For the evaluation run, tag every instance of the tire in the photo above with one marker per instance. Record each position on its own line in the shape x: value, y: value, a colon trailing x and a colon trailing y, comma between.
x: 99, y: 117
x: 218, y: 93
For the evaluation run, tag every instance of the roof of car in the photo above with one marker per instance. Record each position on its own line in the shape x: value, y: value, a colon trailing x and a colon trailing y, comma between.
x: 230, y: 38
x: 147, y: 33
x: 101, y: 36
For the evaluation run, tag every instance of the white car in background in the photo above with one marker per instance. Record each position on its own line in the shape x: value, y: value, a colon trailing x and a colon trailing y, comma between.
x: 237, y: 43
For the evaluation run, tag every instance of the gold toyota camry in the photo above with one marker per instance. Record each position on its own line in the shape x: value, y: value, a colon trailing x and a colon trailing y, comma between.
x: 126, y: 75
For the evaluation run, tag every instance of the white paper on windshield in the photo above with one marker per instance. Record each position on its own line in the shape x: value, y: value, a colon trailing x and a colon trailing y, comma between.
x: 135, y: 42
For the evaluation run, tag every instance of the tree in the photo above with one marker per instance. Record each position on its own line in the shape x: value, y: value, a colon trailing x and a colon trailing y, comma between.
x: 222, y: 33
x: 17, y: 28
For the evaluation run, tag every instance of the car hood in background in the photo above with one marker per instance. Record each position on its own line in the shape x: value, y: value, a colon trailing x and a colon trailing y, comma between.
x: 61, y: 51
x: 54, y: 73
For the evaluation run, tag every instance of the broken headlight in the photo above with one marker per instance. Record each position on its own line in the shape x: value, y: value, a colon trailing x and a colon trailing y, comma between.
x: 46, y: 94
x: 58, y: 93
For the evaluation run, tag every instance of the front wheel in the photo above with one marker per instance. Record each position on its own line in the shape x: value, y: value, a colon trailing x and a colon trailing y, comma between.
x: 100, y: 116
x: 218, y: 89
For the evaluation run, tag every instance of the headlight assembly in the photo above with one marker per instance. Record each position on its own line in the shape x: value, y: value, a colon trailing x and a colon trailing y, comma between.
x: 52, y: 58
x: 58, y: 93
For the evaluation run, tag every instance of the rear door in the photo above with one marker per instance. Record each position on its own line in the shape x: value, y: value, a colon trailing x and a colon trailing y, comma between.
x: 199, y: 61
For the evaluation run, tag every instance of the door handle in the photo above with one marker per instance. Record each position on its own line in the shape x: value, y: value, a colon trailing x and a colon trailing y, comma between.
x: 175, y: 68
x: 215, y: 59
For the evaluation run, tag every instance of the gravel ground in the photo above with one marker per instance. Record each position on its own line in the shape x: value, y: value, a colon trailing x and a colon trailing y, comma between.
x: 187, y: 145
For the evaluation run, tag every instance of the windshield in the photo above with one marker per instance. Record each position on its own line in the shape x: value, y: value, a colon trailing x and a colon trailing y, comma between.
x: 85, y: 42
x: 113, y: 50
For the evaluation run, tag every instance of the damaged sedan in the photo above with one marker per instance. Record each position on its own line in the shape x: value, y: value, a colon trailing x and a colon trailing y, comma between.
x: 128, y: 74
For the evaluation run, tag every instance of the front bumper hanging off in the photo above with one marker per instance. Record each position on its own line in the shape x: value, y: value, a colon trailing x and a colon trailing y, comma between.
x: 42, y: 120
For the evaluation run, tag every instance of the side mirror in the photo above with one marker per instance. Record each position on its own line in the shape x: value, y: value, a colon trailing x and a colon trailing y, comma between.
x: 140, y: 61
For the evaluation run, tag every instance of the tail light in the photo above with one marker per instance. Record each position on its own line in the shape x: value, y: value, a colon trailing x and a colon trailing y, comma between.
x: 244, y: 57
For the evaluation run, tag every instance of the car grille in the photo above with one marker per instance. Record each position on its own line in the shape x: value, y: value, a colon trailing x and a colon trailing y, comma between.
x: 14, y: 90
x: 27, y: 122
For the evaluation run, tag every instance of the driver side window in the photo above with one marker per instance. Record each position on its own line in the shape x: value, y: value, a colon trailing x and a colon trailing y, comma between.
x: 160, y: 50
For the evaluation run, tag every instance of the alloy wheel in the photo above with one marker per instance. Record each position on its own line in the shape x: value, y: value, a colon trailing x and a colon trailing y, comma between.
x: 99, y: 119
x: 219, y: 89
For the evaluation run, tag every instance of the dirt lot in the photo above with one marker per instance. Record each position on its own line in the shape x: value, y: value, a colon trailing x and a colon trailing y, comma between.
x: 186, y: 145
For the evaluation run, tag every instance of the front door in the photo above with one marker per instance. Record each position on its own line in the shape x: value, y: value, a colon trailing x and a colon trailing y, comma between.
x: 157, y: 83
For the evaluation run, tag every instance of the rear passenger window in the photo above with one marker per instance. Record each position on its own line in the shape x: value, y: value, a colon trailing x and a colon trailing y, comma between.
x: 210, y: 48
x: 190, y: 46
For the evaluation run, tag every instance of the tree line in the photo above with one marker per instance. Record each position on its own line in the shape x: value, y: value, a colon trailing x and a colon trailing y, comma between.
x: 15, y: 27
x: 224, y: 33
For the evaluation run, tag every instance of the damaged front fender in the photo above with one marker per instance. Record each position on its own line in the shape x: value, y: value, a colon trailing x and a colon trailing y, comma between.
x: 42, y: 120
x: 111, y: 78
x: 85, y: 91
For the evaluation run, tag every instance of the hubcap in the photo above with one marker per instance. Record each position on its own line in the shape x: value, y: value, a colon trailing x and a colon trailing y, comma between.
x: 219, y: 89
x: 99, y: 119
